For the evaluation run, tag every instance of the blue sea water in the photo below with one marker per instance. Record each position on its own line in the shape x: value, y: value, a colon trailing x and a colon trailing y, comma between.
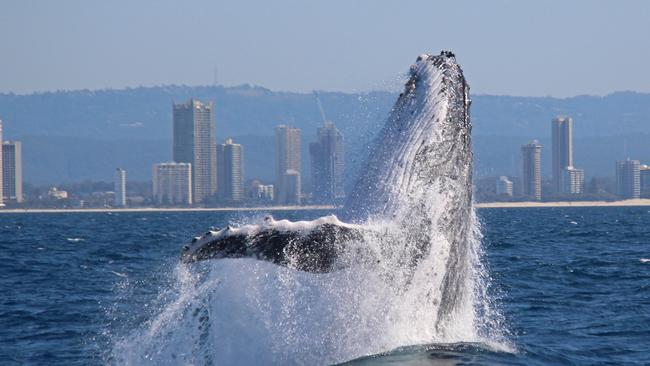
x: 572, y: 283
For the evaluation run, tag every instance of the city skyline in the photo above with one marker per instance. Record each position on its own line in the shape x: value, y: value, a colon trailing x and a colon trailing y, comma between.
x: 324, y: 152
x: 194, y: 132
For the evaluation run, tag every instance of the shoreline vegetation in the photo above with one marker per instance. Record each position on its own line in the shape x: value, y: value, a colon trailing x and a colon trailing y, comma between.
x: 631, y: 202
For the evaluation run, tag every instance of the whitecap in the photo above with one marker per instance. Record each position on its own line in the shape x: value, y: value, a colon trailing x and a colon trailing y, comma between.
x: 124, y: 275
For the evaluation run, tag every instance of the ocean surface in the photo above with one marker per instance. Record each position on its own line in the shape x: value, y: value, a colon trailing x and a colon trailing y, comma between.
x: 572, y: 286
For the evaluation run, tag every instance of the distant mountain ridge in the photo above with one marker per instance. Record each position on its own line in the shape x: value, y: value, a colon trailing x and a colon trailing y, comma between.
x: 76, y: 135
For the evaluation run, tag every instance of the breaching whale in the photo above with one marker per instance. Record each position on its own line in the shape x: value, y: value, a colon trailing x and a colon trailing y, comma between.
x: 414, y: 193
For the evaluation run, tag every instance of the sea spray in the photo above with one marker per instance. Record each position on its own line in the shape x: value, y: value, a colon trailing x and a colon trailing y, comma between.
x: 413, y: 277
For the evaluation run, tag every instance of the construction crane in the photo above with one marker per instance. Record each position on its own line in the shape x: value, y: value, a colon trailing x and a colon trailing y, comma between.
x: 320, y: 107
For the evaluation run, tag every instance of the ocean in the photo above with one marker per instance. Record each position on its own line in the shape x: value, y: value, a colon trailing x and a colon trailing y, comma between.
x: 571, y: 286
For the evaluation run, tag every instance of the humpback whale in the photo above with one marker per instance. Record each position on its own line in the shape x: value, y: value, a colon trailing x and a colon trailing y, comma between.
x: 414, y: 195
x: 399, y: 264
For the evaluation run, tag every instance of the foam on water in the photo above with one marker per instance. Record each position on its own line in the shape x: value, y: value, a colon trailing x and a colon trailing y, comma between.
x: 426, y: 283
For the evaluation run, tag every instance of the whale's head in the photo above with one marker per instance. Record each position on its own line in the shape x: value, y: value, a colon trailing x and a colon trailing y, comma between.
x: 423, y: 153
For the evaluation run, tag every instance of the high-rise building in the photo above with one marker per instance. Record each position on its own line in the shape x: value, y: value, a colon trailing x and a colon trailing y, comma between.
x: 532, y: 170
x: 327, y: 164
x: 504, y: 186
x: 573, y: 180
x: 258, y: 192
x: 172, y: 183
x: 195, y: 143
x: 12, y: 171
x: 644, y: 175
x: 628, y: 179
x: 264, y: 193
x: 287, y: 158
x: 230, y: 171
x: 292, y: 191
x: 1, y: 169
x: 562, y: 130
x: 119, y: 187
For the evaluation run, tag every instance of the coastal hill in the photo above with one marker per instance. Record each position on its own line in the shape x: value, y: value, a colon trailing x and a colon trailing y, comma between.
x: 78, y: 135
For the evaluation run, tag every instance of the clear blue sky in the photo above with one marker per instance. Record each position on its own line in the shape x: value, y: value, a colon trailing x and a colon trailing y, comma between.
x: 557, y: 48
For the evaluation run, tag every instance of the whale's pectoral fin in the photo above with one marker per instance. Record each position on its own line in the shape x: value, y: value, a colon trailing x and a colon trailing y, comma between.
x: 313, y: 249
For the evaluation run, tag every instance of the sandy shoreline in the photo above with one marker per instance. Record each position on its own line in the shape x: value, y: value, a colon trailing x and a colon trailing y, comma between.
x: 634, y: 202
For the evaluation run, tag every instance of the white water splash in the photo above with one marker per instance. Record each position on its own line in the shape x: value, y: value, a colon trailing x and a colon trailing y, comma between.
x: 426, y: 283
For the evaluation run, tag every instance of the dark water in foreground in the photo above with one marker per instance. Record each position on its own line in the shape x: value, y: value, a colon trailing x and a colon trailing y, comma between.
x: 572, y: 283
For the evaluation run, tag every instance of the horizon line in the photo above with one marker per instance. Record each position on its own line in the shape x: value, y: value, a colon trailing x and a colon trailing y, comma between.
x: 255, y: 86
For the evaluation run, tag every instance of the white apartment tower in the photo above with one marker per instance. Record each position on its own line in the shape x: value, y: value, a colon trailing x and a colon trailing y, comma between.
x: 172, y: 183
x: 573, y: 180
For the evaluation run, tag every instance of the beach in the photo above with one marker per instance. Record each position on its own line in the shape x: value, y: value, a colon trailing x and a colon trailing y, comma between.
x: 632, y: 202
